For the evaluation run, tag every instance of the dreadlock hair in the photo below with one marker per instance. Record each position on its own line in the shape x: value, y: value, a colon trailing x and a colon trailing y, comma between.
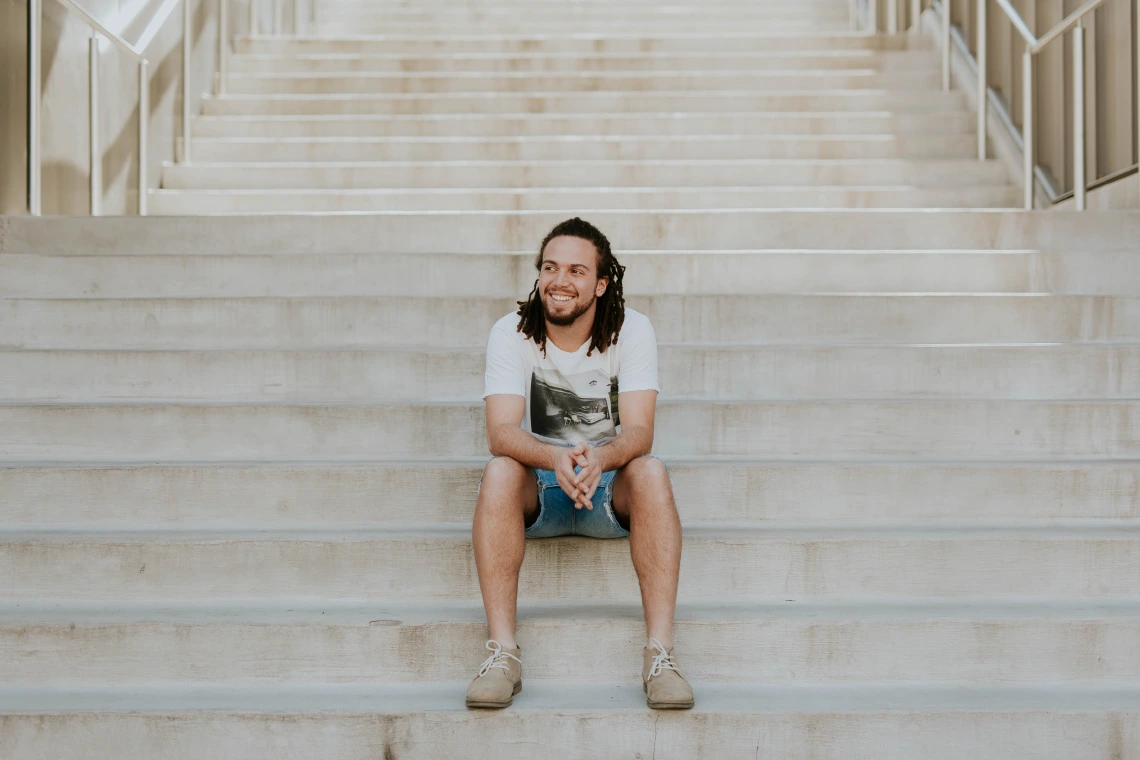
x: 610, y: 313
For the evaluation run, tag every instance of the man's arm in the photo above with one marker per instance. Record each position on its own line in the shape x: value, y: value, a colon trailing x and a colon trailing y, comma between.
x: 638, y: 410
x: 506, y: 438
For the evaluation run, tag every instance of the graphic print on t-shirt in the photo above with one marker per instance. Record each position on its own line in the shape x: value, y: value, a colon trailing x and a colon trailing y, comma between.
x: 571, y: 409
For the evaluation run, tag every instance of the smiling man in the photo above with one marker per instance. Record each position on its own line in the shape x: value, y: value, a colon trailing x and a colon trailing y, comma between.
x: 566, y: 462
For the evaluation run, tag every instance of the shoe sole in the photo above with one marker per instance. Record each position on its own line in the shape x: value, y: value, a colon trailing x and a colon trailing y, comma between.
x: 666, y: 705
x: 497, y: 705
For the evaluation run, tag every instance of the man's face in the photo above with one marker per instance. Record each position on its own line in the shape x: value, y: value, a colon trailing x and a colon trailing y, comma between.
x: 568, y: 282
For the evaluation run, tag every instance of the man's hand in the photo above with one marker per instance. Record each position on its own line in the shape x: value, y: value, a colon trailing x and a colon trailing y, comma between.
x: 577, y: 485
x: 590, y: 474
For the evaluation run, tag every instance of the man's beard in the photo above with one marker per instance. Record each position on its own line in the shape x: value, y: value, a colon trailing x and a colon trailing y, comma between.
x: 568, y: 319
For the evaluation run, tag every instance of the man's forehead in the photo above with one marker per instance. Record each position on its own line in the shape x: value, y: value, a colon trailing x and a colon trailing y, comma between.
x: 570, y: 251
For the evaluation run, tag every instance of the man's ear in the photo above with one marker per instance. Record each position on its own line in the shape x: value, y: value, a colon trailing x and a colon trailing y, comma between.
x: 603, y: 283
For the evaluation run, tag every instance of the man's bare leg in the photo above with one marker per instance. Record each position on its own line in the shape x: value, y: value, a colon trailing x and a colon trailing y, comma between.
x: 643, y: 498
x: 508, y: 497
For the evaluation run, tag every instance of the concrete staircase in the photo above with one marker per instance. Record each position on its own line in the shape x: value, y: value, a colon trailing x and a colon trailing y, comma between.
x: 239, y: 454
x: 538, y: 105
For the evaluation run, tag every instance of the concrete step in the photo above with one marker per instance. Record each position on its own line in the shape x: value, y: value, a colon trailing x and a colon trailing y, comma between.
x: 582, y: 148
x: 262, y: 495
x: 771, y: 642
x: 1006, y: 430
x: 469, y: 232
x: 508, y: 275
x: 759, y: 60
x: 721, y: 563
x: 198, y: 201
x: 724, y: 101
x: 664, y: 26
x: 649, y: 124
x: 1051, y: 371
x: 306, y: 323
x: 703, y: 173
x: 567, y: 41
x: 371, y: 82
x: 571, y: 722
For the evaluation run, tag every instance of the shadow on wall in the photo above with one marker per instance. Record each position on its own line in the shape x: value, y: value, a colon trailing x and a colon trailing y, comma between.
x: 67, y: 182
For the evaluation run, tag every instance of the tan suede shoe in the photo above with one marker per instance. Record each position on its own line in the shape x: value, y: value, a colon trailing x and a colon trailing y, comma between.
x: 499, y: 679
x: 665, y: 687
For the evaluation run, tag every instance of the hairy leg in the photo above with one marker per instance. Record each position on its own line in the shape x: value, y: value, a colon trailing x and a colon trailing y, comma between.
x: 643, y: 499
x: 508, y: 497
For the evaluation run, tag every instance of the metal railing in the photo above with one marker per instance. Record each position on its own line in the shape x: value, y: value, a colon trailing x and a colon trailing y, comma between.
x: 1033, y: 46
x: 99, y: 32
x: 1032, y: 173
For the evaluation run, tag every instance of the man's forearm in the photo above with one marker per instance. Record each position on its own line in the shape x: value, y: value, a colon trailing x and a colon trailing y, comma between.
x: 630, y: 444
x: 514, y: 442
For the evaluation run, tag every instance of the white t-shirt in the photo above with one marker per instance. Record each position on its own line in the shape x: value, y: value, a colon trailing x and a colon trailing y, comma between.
x: 571, y: 397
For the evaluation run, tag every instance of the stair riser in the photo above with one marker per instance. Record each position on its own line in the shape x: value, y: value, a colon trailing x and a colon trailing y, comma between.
x: 565, y: 569
x: 617, y: 148
x: 588, y: 102
x: 293, y: 495
x: 975, y: 431
x: 943, y: 175
x: 775, y: 651
x: 853, y: 123
x: 223, y: 202
x: 478, y: 232
x: 710, y: 62
x: 581, y: 44
x: 426, y: 322
x: 368, y: 83
x: 513, y: 275
x: 951, y: 735
x: 297, y: 495
x: 731, y: 373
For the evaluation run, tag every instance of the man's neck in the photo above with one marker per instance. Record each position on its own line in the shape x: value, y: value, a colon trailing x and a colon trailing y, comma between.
x: 570, y: 338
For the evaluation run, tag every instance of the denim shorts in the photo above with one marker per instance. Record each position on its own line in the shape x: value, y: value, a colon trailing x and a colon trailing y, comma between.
x: 557, y: 515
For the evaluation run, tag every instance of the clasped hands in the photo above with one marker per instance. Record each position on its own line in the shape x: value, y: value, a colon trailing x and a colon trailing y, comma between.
x: 581, y: 485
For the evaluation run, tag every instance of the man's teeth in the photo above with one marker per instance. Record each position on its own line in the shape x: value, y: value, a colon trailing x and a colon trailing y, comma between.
x: 561, y: 298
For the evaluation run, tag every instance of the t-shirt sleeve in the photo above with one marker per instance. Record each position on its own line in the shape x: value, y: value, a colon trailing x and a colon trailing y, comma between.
x: 506, y: 371
x: 638, y: 369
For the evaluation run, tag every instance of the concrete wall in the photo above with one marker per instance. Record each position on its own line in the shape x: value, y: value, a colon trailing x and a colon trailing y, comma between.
x: 64, y: 116
x: 13, y: 106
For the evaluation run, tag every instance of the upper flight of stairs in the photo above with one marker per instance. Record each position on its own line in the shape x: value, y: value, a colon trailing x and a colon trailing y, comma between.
x: 239, y: 454
x: 553, y: 106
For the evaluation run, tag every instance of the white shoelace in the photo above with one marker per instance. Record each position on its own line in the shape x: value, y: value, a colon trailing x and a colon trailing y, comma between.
x: 662, y: 661
x: 498, y: 659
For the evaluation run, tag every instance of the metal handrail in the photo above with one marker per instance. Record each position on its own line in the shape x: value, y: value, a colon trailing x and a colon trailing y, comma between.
x: 137, y: 51
x: 1034, y: 45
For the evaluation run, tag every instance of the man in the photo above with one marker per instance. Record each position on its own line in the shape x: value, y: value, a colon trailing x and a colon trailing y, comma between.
x: 565, y: 462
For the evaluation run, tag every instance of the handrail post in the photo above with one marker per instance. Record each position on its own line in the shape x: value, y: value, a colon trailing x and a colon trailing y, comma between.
x: 35, y: 192
x: 853, y: 11
x: 296, y: 18
x: 946, y: 45
x: 983, y: 87
x: 1079, y: 178
x: 1027, y: 125
x: 276, y: 17
x: 94, y: 153
x: 252, y: 18
x: 187, y: 65
x: 872, y: 16
x: 1136, y: 79
x: 144, y: 124
x: 893, y: 16
x: 916, y: 16
x: 224, y: 42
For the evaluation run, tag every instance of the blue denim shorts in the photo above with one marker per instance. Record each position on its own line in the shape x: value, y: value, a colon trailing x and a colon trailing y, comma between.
x: 558, y: 517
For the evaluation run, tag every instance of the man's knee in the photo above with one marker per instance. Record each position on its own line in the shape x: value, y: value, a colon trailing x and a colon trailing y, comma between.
x: 504, y: 474
x: 648, y: 472
x: 647, y: 484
